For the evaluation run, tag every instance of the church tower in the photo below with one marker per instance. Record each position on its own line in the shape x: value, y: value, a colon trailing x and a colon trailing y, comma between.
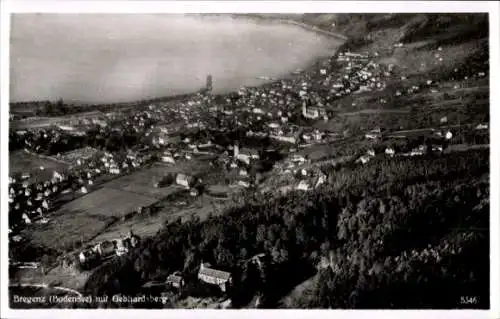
x: 209, y: 83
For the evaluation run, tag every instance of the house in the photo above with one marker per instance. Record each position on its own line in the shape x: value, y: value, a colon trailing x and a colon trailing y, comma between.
x: 298, y: 158
x: 448, y: 135
x: 175, y: 280
x: 303, y: 185
x: 168, y: 158
x: 87, y: 256
x: 27, y: 220
x: 123, y: 246
x: 213, y: 276
x: 389, y: 151
x: 419, y: 151
x: 104, y: 249
x: 243, y: 183
x: 243, y: 172
x: 444, y: 119
x: 321, y: 180
x: 56, y: 176
x: 245, y: 155
x: 437, y: 148
x: 284, y: 138
x: 184, y: 180
x: 363, y: 159
x: 482, y: 127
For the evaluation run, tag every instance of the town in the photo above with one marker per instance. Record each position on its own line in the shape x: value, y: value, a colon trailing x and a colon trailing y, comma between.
x: 90, y: 188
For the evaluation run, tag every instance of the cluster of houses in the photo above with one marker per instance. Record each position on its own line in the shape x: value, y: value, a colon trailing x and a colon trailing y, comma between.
x: 28, y: 202
x: 185, y: 181
x: 223, y: 280
x: 107, y: 249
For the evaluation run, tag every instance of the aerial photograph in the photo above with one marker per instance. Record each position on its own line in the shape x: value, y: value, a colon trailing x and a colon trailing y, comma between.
x: 249, y: 161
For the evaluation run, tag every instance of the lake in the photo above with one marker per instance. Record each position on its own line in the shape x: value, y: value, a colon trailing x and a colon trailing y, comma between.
x: 103, y: 58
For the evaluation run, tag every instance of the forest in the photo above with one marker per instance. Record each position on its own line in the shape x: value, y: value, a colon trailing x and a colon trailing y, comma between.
x: 406, y: 233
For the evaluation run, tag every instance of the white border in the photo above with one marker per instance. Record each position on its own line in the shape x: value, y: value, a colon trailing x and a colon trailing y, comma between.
x: 68, y: 6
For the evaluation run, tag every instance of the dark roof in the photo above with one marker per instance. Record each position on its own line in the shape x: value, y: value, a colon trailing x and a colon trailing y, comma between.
x: 224, y: 275
x: 151, y: 284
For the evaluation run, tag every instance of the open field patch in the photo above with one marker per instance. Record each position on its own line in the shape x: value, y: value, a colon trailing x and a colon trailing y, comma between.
x: 194, y: 167
x: 142, y: 181
x: 35, y: 122
x: 317, y: 152
x: 23, y: 162
x: 107, y: 202
x: 144, y: 226
x: 78, y: 154
x: 65, y: 230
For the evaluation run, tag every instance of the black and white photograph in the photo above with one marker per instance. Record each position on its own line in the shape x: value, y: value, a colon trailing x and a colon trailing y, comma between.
x: 248, y: 160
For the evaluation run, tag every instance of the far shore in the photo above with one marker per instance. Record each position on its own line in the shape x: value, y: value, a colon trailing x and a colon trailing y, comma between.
x: 179, y: 97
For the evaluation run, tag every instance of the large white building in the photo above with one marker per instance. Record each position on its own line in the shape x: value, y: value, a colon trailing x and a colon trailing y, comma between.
x: 215, y: 277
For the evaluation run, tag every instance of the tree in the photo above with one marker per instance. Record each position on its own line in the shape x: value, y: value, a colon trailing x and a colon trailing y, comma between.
x: 324, y: 292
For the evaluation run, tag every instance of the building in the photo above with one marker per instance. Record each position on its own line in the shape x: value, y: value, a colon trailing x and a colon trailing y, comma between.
x: 321, y: 180
x: 168, y: 158
x: 209, y: 85
x: 245, y: 155
x: 104, y: 249
x: 363, y: 159
x: 283, y: 138
x: 309, y: 113
x: 184, y: 180
x: 303, y: 185
x: 371, y: 136
x: 389, y: 151
x: 175, y: 280
x: 212, y: 276
x: 87, y: 256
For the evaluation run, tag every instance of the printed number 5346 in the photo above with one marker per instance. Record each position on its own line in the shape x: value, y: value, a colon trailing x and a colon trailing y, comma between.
x: 469, y: 300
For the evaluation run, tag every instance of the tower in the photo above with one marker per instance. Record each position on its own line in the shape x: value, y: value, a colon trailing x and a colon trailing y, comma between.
x: 209, y: 83
x: 304, y: 109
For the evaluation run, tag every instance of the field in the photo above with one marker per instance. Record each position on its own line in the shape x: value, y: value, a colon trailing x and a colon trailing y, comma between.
x: 65, y: 230
x: 317, y: 152
x: 141, y: 182
x: 22, y: 162
x: 80, y: 153
x: 145, y: 226
x: 35, y: 122
x: 82, y: 219
x: 220, y: 189
x: 107, y: 202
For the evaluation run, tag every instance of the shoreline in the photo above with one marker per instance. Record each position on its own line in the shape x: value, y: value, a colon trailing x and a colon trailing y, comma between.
x: 306, y: 26
x: 179, y: 97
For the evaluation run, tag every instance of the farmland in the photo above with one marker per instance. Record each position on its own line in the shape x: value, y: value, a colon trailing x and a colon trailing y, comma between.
x: 67, y: 229
x: 23, y: 162
x: 169, y: 209
x: 73, y: 156
x: 141, y: 182
x: 107, y: 202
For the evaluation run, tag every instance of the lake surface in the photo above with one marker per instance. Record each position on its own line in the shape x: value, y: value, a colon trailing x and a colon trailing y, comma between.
x: 116, y: 58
